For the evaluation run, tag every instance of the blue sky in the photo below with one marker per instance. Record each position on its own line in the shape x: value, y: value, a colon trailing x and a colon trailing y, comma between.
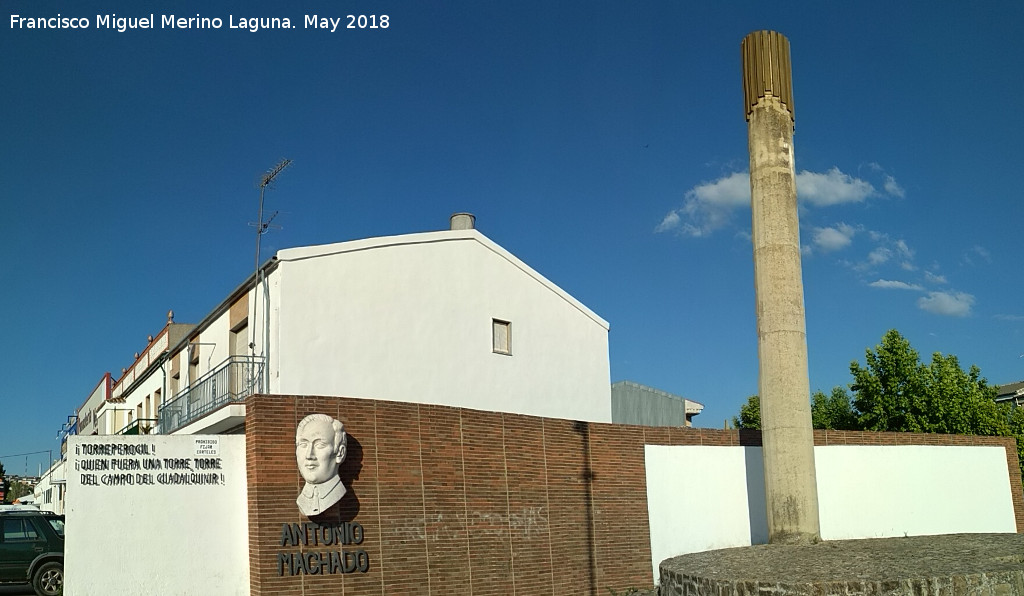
x: 602, y: 142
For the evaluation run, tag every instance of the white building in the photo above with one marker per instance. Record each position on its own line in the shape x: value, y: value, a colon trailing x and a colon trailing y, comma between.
x: 48, y: 493
x: 445, y: 317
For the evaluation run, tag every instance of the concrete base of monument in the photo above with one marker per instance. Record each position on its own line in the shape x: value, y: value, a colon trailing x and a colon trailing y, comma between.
x: 952, y: 564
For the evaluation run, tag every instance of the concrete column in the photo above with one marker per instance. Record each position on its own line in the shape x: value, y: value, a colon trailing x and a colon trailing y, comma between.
x: 790, y: 489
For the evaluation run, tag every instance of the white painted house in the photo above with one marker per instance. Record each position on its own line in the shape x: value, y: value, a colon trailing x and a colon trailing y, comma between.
x: 445, y: 317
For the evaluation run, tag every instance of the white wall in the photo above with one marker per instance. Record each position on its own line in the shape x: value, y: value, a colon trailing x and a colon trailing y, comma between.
x: 89, y: 411
x: 697, y: 499
x: 53, y: 481
x: 111, y: 417
x: 214, y: 348
x: 706, y: 498
x: 259, y: 303
x: 211, y: 356
x: 409, y: 318
x: 161, y: 538
x: 912, y: 490
x: 153, y: 384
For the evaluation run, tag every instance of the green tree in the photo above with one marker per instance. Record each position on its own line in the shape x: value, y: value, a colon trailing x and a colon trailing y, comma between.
x: 886, y: 389
x: 1015, y: 422
x: 833, y: 411
x: 827, y: 411
x: 18, y: 490
x: 894, y: 391
x: 750, y: 414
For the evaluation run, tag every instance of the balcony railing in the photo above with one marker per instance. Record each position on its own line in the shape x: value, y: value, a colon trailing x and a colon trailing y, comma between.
x: 140, y: 426
x: 233, y: 380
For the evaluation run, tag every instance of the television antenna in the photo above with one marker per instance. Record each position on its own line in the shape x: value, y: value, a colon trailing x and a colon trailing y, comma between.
x: 262, y: 227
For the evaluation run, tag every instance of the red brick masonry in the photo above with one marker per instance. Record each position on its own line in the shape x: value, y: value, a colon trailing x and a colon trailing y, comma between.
x: 457, y: 501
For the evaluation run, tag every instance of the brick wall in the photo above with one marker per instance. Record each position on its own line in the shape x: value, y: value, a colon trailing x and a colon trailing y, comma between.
x: 456, y: 501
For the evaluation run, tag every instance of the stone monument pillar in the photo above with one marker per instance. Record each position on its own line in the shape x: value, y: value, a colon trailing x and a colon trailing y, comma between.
x: 790, y: 489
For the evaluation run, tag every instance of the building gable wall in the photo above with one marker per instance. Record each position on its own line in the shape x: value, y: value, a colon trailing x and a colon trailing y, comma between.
x: 413, y: 322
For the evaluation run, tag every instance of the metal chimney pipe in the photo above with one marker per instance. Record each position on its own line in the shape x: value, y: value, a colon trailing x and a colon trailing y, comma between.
x: 791, y: 492
x: 462, y: 221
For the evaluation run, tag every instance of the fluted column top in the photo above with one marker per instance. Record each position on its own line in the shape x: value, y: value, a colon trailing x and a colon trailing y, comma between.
x: 766, y: 70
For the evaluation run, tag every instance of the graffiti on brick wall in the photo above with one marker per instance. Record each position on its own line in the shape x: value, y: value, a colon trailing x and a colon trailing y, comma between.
x: 529, y: 522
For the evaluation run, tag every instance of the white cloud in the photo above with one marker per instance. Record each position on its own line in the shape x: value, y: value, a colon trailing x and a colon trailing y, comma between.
x: 887, y: 284
x: 889, y: 184
x: 977, y: 251
x: 671, y: 221
x: 934, y: 278
x: 952, y: 304
x: 709, y: 206
x: 732, y: 191
x: 879, y: 255
x: 833, y: 238
x: 1012, y: 318
x: 904, y: 250
x: 887, y: 250
x: 831, y: 188
x: 893, y: 188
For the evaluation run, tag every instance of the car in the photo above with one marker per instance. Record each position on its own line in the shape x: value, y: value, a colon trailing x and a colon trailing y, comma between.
x: 32, y: 550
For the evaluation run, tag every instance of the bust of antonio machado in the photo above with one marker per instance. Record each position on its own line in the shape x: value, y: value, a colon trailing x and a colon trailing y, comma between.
x: 320, y: 445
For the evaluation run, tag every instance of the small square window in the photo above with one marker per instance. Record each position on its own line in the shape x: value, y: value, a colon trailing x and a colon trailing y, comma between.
x: 501, y: 336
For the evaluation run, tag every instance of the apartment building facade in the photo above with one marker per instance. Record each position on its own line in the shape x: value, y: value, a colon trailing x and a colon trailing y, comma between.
x: 446, y: 318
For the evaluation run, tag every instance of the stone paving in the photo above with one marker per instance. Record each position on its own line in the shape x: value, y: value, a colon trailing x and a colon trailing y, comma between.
x: 953, y: 564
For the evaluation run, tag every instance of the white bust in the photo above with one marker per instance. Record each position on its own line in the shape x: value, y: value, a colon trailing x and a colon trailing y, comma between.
x: 320, y: 445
